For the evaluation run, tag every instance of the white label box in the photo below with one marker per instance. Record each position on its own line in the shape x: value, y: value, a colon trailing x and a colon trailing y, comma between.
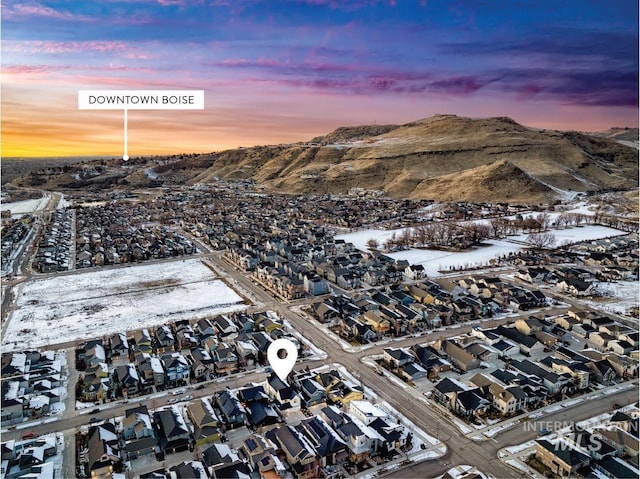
x: 141, y: 99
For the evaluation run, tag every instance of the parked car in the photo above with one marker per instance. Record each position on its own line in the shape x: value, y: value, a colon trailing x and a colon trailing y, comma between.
x: 95, y: 411
x: 29, y: 435
x: 544, y: 432
x: 93, y: 420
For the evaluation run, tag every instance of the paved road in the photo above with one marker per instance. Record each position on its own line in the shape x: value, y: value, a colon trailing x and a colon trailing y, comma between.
x: 407, y: 401
x: 461, y: 450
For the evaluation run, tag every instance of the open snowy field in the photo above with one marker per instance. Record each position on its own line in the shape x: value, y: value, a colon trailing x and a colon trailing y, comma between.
x: 619, y: 298
x: 26, y: 206
x: 66, y: 308
x: 434, y: 260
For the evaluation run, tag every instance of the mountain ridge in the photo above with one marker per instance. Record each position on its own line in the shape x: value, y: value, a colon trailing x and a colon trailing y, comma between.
x: 412, y: 160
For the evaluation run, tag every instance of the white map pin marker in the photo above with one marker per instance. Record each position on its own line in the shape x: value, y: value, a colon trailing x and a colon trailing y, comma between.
x: 282, y: 362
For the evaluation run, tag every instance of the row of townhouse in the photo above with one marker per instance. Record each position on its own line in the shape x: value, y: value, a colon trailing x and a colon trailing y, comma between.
x: 356, y: 431
x: 306, y: 267
x: 32, y: 384
x: 121, y: 233
x: 13, y: 233
x: 171, y: 355
x: 525, y: 384
x: 55, y: 244
x: 264, y: 404
x: 601, y: 332
x: 301, y: 451
x: 30, y: 458
x: 609, y: 449
x: 499, y: 292
x: 405, y: 308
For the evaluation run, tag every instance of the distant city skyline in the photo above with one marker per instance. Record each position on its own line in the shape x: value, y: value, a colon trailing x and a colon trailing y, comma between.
x: 286, y: 71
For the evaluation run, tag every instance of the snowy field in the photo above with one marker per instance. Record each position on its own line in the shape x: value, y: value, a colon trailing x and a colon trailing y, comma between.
x: 26, y: 206
x: 66, y: 308
x: 620, y: 298
x: 434, y: 261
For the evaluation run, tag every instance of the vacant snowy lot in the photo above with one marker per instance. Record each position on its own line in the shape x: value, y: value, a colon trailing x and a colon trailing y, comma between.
x: 26, y: 206
x: 434, y: 261
x: 91, y: 304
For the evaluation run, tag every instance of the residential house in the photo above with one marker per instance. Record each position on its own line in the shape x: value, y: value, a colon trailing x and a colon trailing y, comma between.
x: 285, y: 396
x: 471, y: 403
x: 562, y: 459
x: 202, y: 364
x: 138, y: 432
x: 505, y: 399
x: 103, y: 451
x: 188, y: 470
x: 225, y: 359
x: 260, y: 453
x: 177, y: 367
x: 297, y: 451
x: 165, y: 341
x: 457, y: 355
x: 362, y: 441
x: 446, y: 390
x: 143, y: 341
x: 217, y: 457
x: 575, y: 287
x: 173, y: 433
x: 397, y: 357
x: 151, y: 369
x: 329, y: 448
x: 554, y: 383
x: 233, y: 412
x: 205, y: 421
x: 119, y: 346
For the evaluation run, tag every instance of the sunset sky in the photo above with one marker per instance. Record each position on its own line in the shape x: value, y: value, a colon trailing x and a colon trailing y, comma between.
x: 286, y: 71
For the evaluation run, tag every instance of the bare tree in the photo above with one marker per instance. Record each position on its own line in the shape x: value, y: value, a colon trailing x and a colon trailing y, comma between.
x: 373, y: 244
x: 545, y: 220
x: 405, y: 238
x: 562, y: 221
x: 498, y: 227
x: 421, y: 235
x: 542, y: 240
x: 531, y: 224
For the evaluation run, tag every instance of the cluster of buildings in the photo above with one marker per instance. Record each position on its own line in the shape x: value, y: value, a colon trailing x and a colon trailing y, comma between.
x: 293, y: 429
x: 606, y: 449
x: 56, y: 244
x: 32, y: 458
x: 175, y: 354
x: 519, y: 367
x: 593, y: 262
x: 122, y: 232
x: 415, y: 305
x: 32, y: 385
x: 13, y: 232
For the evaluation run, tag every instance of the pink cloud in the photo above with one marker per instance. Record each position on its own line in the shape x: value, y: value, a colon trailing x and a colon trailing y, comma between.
x: 56, y: 48
x: 37, y: 9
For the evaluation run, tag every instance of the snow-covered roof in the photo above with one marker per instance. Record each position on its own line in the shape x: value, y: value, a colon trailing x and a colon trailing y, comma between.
x: 39, y: 401
x: 19, y: 361
x: 106, y: 435
x: 133, y: 372
x: 156, y: 365
x: 365, y: 409
x: 12, y: 391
